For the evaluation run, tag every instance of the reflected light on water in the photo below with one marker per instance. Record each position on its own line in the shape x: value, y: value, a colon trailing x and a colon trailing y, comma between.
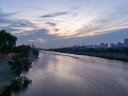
x: 59, y: 74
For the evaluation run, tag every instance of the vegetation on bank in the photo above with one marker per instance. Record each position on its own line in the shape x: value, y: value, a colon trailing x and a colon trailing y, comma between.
x: 115, y: 54
x: 19, y: 63
x: 16, y: 86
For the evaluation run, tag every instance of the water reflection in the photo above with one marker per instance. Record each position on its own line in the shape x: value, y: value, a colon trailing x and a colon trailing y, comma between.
x: 58, y: 74
x: 17, y: 86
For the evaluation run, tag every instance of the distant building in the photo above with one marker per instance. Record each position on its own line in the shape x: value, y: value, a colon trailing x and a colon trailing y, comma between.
x: 126, y: 42
x: 104, y: 45
x: 120, y: 45
x: 89, y: 46
x: 75, y: 47
x: 96, y: 46
x: 113, y: 45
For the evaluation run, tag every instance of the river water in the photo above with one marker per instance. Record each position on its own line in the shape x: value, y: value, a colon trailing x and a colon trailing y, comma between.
x: 61, y: 74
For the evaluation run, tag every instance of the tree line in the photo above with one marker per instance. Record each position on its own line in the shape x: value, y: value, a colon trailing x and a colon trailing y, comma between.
x: 109, y: 53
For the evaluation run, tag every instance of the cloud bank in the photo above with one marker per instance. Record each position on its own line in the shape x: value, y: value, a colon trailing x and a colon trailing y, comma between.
x: 70, y: 20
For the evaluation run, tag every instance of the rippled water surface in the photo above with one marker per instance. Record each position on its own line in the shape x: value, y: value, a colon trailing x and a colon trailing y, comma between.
x: 60, y: 74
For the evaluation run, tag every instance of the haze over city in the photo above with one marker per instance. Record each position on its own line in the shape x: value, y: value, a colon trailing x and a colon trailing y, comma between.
x: 61, y: 23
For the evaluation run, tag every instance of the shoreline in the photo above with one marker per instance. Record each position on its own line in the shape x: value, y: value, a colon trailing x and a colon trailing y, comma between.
x: 119, y: 58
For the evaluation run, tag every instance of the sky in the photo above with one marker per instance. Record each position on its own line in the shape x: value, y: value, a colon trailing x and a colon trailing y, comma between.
x: 61, y: 23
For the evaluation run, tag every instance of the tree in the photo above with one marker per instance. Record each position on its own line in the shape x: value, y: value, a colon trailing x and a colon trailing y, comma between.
x: 24, y: 50
x: 35, y: 52
x: 19, y: 65
x: 7, y: 42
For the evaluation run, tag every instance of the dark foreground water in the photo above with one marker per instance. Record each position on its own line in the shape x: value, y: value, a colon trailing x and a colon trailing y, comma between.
x: 59, y: 74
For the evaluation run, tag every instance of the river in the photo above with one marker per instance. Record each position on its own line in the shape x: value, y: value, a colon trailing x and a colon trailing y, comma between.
x: 61, y: 74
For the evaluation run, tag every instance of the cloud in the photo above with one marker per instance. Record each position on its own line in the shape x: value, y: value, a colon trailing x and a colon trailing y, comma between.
x: 22, y: 23
x: 4, y: 17
x: 14, y: 26
x: 76, y: 7
x: 105, y: 23
x: 83, y: 20
x: 35, y: 36
x: 39, y: 37
x: 41, y: 40
x: 54, y: 14
x: 38, y: 40
x: 18, y: 26
x: 57, y: 30
x: 31, y: 40
x: 51, y: 24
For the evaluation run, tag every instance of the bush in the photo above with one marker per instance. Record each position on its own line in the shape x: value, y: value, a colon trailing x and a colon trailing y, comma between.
x: 19, y: 65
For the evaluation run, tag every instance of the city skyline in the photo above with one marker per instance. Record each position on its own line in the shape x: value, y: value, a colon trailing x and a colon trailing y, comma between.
x: 118, y: 45
x: 55, y: 23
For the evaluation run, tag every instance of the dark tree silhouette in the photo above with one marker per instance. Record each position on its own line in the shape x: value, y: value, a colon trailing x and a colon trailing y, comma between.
x: 23, y: 50
x: 17, y: 86
x: 7, y: 42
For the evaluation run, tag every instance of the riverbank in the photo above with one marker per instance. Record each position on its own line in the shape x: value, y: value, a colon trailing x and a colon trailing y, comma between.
x: 7, y: 75
x: 106, y: 56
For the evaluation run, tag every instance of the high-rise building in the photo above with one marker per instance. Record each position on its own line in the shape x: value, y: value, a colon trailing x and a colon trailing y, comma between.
x: 103, y: 45
x: 126, y: 42
x: 106, y: 45
x: 120, y: 45
x: 112, y: 45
